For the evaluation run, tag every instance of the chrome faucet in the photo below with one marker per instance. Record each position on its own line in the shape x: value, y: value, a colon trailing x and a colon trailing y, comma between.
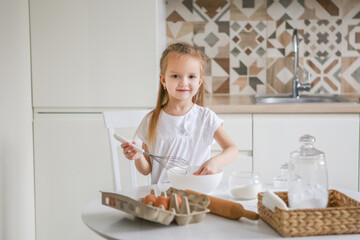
x: 297, y: 86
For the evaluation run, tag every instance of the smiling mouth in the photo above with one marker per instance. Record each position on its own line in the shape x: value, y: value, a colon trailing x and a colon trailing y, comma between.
x: 182, y: 90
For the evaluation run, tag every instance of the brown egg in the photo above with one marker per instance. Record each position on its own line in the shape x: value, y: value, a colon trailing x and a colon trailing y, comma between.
x: 178, y: 198
x: 149, y: 199
x: 162, y: 201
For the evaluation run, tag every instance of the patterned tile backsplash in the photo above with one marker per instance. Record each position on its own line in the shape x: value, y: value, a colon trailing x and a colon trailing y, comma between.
x: 249, y: 43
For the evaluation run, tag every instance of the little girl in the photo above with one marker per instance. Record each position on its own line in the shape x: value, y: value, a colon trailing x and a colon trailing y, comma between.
x: 179, y: 125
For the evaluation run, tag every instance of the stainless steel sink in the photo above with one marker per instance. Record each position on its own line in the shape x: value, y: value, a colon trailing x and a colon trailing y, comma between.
x: 288, y: 99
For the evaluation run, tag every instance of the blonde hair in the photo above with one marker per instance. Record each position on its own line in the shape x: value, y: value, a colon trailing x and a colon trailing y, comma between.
x: 178, y: 49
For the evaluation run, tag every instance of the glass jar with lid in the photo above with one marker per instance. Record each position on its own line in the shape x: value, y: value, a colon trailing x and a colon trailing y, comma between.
x: 308, y: 179
x: 281, y: 181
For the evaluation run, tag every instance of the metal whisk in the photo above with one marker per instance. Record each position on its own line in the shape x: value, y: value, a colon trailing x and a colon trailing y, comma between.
x: 176, y: 165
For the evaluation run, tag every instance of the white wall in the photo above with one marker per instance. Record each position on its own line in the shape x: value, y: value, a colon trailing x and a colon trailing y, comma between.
x: 17, y: 220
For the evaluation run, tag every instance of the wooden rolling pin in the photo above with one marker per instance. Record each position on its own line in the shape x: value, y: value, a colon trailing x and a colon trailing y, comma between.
x: 228, y: 209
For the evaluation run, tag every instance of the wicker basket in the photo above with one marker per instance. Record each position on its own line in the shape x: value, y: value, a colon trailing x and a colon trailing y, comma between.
x: 341, y: 216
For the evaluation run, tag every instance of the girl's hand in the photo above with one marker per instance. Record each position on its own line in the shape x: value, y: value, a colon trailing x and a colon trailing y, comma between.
x: 130, y: 152
x: 209, y: 167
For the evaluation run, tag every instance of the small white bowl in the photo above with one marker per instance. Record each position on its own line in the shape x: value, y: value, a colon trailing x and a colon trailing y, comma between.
x: 199, y: 183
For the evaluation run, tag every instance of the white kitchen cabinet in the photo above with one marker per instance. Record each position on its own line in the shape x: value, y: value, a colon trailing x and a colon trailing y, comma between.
x: 90, y: 53
x: 17, y: 214
x: 275, y: 136
x: 239, y: 128
x: 242, y: 163
x: 72, y: 164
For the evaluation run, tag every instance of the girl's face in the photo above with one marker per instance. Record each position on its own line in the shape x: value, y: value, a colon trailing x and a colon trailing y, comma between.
x: 182, y: 77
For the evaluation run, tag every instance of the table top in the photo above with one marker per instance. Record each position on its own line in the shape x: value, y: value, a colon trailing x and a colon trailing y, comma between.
x: 111, y: 223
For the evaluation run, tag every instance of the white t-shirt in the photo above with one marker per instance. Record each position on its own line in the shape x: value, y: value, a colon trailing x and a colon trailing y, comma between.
x: 189, y: 136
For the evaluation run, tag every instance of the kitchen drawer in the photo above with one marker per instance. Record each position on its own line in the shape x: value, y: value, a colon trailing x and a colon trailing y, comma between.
x: 239, y: 127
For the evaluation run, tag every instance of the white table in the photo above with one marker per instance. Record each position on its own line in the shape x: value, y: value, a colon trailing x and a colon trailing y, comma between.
x: 114, y: 224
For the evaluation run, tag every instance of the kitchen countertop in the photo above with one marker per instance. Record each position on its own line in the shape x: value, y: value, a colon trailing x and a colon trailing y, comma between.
x: 114, y: 224
x: 246, y: 104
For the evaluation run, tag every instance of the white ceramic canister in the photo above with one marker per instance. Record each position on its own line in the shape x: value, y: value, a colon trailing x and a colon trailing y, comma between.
x: 308, y: 179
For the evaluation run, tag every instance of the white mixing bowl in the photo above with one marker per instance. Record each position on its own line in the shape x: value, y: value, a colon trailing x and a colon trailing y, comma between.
x: 199, y: 183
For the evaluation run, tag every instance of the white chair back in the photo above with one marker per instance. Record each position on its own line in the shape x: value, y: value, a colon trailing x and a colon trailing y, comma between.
x: 121, y: 120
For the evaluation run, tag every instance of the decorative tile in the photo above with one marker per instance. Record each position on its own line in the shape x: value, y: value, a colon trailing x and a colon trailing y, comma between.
x: 217, y: 76
x: 349, y: 9
x: 253, y: 53
x: 279, y: 38
x: 285, y: 9
x: 331, y: 9
x: 325, y: 74
x: 208, y: 84
x: 247, y: 57
x: 179, y: 31
x: 247, y: 39
x: 309, y: 11
x: 220, y: 75
x: 179, y: 10
x: 213, y: 38
x: 248, y: 10
x: 350, y: 73
x: 280, y: 74
x: 323, y: 38
x: 220, y: 85
x: 351, y: 38
x: 208, y: 79
x: 247, y: 76
x: 320, y: 9
x: 211, y: 10
x: 220, y: 67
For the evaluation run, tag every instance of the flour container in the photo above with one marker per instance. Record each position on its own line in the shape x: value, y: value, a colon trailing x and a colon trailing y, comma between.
x: 308, y: 179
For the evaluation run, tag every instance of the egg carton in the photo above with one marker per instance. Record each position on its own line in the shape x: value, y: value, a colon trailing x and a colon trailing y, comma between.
x: 192, y: 210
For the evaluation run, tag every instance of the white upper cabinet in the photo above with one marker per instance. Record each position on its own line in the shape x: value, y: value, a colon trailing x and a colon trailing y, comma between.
x: 337, y: 135
x: 90, y: 53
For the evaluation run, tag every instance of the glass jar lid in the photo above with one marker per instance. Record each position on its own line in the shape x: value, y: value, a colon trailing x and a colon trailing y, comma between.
x: 307, y: 148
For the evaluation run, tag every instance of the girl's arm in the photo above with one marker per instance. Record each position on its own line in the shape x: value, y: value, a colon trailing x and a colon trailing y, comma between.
x: 227, y: 156
x: 142, y: 163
